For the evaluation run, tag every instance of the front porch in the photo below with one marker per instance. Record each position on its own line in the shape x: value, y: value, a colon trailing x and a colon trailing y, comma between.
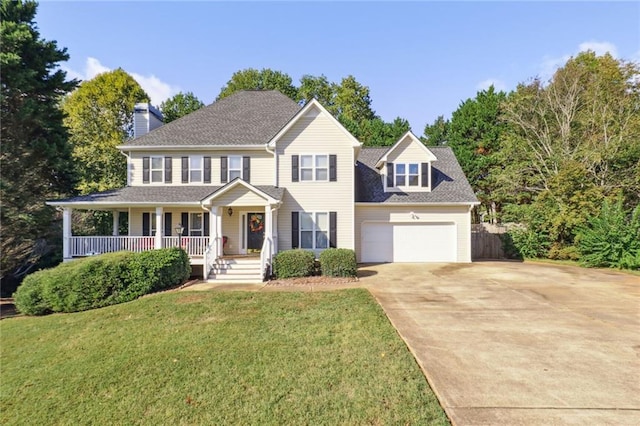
x: 235, y: 220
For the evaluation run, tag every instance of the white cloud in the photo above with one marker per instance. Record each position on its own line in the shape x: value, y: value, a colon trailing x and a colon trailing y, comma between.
x: 599, y: 47
x: 93, y: 68
x: 497, y: 84
x: 157, y: 89
x: 550, y: 64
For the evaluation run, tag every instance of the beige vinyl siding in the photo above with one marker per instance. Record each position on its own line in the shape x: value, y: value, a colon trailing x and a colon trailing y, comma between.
x: 262, y: 166
x: 239, y: 196
x: 408, y: 152
x: 460, y: 215
x: 317, y: 135
x: 231, y: 230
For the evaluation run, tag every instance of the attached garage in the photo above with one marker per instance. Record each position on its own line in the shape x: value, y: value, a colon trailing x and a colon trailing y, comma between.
x: 408, y: 242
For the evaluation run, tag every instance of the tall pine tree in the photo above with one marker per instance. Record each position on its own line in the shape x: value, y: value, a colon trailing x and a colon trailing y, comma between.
x: 35, y: 158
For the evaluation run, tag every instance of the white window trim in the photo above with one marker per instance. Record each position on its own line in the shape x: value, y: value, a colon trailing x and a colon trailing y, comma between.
x: 313, y: 168
x: 191, y: 228
x: 151, y: 169
x: 192, y: 169
x: 229, y: 169
x: 152, y: 223
x: 314, y: 230
x: 406, y: 175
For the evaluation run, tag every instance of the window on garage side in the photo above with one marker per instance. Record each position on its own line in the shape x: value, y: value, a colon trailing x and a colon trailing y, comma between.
x: 314, y: 230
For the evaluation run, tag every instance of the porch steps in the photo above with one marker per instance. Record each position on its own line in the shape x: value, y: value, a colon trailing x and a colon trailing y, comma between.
x: 237, y: 270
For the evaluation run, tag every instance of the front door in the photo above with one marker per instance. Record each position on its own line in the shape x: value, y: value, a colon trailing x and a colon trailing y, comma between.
x: 255, y: 232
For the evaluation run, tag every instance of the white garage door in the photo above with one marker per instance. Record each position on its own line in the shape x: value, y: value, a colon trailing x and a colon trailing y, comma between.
x: 402, y: 242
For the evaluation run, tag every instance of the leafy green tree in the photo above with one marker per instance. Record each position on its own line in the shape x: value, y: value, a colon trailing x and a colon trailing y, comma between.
x: 352, y: 101
x: 474, y: 136
x: 349, y: 101
x: 265, y: 79
x: 377, y: 132
x: 179, y: 105
x: 570, y: 144
x: 35, y: 156
x: 437, y: 133
x: 99, y: 115
x: 319, y: 88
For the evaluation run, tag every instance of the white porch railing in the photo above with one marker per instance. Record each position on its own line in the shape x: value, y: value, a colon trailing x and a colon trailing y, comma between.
x: 210, y: 256
x: 88, y: 246
x: 266, y: 255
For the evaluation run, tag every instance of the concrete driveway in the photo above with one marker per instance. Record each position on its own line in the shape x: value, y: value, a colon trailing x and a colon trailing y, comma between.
x: 519, y: 343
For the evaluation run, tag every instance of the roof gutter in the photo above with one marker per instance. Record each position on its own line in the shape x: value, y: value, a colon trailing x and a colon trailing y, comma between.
x: 189, y: 147
x: 425, y: 204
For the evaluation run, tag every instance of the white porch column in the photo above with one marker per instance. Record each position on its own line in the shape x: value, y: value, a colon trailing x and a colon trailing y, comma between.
x: 213, y: 228
x: 219, y: 231
x: 66, y: 233
x: 268, y: 228
x: 116, y: 223
x: 159, y: 228
x: 274, y: 232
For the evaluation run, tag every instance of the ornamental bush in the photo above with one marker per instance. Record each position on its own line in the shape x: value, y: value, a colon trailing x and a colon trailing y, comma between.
x: 104, y: 280
x: 338, y: 262
x: 294, y: 263
x: 611, y: 239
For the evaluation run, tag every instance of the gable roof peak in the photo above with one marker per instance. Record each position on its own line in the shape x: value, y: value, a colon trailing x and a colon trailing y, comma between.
x: 414, y: 140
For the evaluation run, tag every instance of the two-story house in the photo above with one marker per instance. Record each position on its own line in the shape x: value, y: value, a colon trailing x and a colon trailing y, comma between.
x: 256, y: 173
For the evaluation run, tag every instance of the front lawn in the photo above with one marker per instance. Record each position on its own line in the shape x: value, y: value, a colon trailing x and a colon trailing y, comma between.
x: 214, y: 358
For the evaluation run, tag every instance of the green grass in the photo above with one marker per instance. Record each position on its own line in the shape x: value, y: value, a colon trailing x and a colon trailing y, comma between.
x: 214, y: 358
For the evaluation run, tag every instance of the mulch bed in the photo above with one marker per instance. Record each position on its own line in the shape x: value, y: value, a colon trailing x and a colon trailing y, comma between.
x: 312, y: 281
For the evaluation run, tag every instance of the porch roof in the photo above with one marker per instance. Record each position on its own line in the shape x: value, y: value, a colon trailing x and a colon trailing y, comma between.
x: 132, y: 196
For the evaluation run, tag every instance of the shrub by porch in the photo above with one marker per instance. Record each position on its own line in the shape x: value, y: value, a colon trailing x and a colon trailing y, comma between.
x: 99, y: 281
x: 337, y: 262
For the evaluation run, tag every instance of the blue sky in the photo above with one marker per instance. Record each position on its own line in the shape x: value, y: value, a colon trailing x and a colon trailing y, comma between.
x: 419, y: 59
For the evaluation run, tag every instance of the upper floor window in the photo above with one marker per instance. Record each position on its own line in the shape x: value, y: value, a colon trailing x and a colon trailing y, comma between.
x: 235, y: 167
x: 157, y: 169
x: 314, y: 167
x: 407, y: 174
x: 195, y: 168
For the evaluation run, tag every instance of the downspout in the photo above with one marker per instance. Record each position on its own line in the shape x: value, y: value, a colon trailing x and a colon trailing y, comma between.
x: 275, y: 162
x: 128, y: 167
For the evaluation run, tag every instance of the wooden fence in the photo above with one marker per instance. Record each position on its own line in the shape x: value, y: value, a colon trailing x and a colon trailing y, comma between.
x: 486, y: 242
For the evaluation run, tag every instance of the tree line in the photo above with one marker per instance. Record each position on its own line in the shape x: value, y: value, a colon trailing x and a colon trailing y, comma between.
x: 550, y: 155
x: 559, y: 157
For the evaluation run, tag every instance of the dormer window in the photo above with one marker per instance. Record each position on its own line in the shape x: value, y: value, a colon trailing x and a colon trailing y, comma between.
x: 407, y: 174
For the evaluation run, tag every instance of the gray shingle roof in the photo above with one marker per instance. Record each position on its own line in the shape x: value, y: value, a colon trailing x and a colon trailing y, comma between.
x: 250, y: 117
x: 159, y: 195
x: 449, y: 184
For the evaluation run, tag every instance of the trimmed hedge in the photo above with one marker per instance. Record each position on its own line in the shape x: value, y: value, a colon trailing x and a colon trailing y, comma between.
x: 338, y: 262
x: 294, y: 263
x: 99, y: 281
